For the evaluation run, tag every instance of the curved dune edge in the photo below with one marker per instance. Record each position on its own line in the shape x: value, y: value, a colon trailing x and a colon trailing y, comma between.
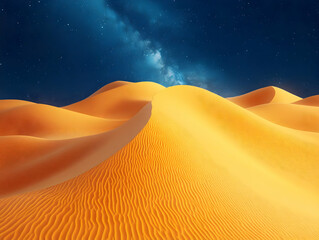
x: 110, y: 86
x: 103, y: 111
x: 43, y: 145
x: 120, y: 102
x: 263, y: 96
x: 309, y: 101
x: 44, y: 121
x: 201, y: 168
x: 9, y: 104
x: 295, y: 116
x: 61, y: 160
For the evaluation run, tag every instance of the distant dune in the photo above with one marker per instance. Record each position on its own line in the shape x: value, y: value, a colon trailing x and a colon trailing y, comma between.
x: 140, y: 161
x: 310, y: 101
x: 119, y: 101
x: 264, y: 95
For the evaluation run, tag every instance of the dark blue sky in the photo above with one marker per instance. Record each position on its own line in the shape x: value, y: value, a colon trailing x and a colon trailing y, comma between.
x: 60, y: 51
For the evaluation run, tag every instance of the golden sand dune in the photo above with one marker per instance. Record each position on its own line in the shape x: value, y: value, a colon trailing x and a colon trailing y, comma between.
x: 43, y: 145
x: 119, y: 100
x: 295, y: 116
x: 45, y: 121
x: 199, y: 167
x: 264, y: 95
x: 111, y: 86
x: 10, y: 104
x: 29, y: 163
x: 310, y: 101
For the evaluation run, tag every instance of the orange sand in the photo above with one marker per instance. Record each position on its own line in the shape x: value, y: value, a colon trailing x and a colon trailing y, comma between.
x: 179, y: 163
x: 263, y: 96
x: 310, y: 101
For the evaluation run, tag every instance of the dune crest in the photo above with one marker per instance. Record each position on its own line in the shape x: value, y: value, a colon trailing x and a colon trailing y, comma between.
x: 295, y: 116
x: 263, y: 96
x: 39, y: 120
x: 310, y: 101
x: 119, y: 102
x: 199, y: 167
x: 9, y: 104
x: 42, y: 146
x: 110, y: 86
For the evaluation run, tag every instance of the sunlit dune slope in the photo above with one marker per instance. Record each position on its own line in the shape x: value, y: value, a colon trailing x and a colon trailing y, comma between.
x: 310, y: 101
x: 294, y: 116
x: 28, y: 163
x: 264, y: 95
x: 43, y: 145
x: 278, y: 106
x: 200, y: 168
x: 119, y: 102
x: 10, y: 104
x: 111, y: 86
x: 51, y: 122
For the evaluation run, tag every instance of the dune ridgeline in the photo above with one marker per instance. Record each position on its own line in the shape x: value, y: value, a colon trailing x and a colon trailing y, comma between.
x: 140, y: 161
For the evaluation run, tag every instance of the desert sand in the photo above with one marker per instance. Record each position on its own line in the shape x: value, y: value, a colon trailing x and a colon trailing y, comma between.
x: 140, y: 161
x: 310, y: 101
x: 265, y: 95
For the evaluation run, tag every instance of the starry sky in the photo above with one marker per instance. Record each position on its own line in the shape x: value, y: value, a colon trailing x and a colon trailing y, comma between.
x: 61, y: 51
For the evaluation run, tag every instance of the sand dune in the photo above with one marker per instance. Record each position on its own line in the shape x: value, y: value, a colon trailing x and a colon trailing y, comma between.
x: 119, y: 102
x: 38, y: 163
x: 45, y: 121
x: 111, y: 86
x: 294, y: 116
x: 43, y: 145
x: 310, y: 101
x: 10, y: 104
x: 264, y: 95
x: 199, y: 167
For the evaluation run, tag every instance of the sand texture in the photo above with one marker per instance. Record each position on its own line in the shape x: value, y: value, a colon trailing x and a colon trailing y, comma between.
x: 140, y: 161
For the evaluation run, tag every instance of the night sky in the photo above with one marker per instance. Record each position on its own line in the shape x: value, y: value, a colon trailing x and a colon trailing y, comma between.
x: 60, y: 51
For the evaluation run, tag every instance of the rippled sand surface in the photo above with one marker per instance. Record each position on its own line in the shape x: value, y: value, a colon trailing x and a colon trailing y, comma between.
x: 140, y: 161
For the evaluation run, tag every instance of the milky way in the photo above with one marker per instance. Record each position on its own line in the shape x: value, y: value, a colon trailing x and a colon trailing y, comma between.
x: 230, y: 47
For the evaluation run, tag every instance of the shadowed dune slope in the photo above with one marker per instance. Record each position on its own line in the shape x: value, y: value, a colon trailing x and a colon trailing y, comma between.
x: 45, y: 121
x: 110, y: 86
x: 114, y: 104
x: 264, y: 95
x: 28, y: 163
x: 43, y: 145
x: 310, y: 101
x: 201, y: 168
x: 119, y: 102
